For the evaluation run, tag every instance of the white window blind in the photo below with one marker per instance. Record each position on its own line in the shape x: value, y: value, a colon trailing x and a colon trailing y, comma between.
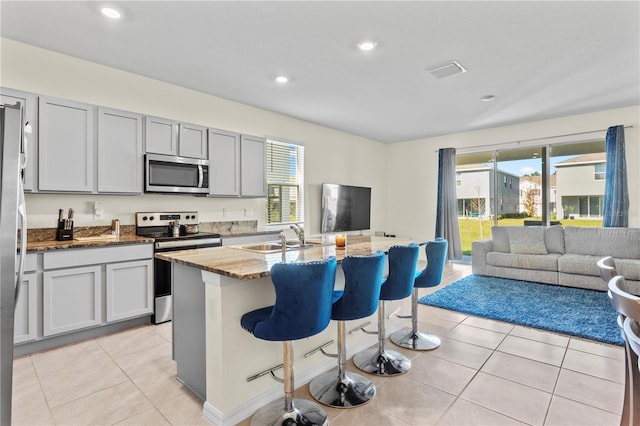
x: 285, y: 182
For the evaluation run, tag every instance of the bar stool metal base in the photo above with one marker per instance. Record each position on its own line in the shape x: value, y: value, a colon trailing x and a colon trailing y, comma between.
x: 418, y: 341
x: 352, y: 391
x: 387, y: 363
x: 304, y: 413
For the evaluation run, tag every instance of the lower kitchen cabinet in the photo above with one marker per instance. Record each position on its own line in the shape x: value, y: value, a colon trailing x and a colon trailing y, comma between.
x: 129, y: 289
x: 91, y: 287
x: 72, y: 299
x: 25, y: 324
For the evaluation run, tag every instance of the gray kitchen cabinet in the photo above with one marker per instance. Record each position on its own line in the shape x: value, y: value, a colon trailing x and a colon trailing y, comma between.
x: 28, y: 101
x: 26, y: 309
x: 26, y: 314
x: 65, y: 151
x: 192, y: 141
x: 74, y: 296
x: 71, y: 299
x: 224, y: 163
x: 253, y: 159
x: 120, y: 159
x: 129, y: 289
x: 161, y: 136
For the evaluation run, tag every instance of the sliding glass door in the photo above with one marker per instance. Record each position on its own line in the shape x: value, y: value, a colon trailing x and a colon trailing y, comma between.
x: 550, y: 184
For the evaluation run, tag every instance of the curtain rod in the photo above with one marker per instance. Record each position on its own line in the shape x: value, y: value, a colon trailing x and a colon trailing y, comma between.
x: 537, y: 139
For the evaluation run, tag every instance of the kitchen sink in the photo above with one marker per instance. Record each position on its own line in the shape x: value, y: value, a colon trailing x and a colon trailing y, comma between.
x: 271, y: 247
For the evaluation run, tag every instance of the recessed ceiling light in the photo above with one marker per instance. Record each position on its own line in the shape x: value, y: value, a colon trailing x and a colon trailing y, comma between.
x: 110, y: 13
x: 487, y: 98
x: 282, y: 79
x: 366, y: 46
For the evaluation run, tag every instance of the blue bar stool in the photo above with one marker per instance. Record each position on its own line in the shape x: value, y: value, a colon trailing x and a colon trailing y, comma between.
x: 302, y: 309
x: 399, y: 284
x: 359, y: 299
x: 431, y: 276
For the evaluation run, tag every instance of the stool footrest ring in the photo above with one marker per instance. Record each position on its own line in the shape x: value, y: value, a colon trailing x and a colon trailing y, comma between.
x: 321, y: 349
x: 360, y: 327
x: 267, y: 371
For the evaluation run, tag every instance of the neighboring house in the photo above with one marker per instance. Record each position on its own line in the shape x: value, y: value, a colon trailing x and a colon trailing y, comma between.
x: 580, y: 186
x: 475, y: 191
x: 531, y: 195
x: 532, y: 186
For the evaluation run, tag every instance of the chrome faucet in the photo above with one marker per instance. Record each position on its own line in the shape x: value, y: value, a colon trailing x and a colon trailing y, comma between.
x: 299, y: 232
x: 283, y: 246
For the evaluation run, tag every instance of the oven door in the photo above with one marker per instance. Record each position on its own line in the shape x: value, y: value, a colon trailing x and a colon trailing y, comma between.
x: 165, y: 173
x: 163, y: 300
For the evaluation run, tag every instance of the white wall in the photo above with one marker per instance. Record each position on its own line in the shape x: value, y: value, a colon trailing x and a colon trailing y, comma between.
x: 413, y: 165
x: 403, y: 176
x: 331, y: 156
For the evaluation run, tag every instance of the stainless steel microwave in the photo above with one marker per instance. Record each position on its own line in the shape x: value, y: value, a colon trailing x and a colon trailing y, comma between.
x: 166, y: 173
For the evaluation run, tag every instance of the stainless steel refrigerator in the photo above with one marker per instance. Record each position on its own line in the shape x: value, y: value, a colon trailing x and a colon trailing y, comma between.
x: 12, y: 218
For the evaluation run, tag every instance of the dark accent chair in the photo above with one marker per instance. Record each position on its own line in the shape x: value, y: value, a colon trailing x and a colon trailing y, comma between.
x: 628, y: 306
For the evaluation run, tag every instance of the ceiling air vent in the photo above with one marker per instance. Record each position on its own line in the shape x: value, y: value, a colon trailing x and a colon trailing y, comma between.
x: 447, y: 69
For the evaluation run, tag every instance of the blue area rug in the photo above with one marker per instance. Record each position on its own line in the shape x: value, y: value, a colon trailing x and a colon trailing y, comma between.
x: 574, y: 311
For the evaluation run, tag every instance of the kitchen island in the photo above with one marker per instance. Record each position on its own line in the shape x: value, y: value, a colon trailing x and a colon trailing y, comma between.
x: 213, y: 288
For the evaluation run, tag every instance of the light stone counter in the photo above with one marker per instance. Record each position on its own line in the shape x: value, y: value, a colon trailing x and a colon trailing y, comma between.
x: 212, y: 289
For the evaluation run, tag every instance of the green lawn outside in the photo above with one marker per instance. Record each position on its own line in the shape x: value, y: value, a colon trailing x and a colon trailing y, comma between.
x: 472, y: 229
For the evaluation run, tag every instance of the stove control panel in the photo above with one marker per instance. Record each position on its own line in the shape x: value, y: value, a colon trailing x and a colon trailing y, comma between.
x: 164, y: 219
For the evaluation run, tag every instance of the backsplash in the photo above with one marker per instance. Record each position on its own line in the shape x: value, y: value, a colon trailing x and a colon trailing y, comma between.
x: 227, y: 227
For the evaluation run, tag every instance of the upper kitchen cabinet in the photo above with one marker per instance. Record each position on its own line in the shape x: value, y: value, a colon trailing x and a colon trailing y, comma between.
x: 192, y: 141
x: 65, y: 138
x: 253, y: 172
x: 224, y: 163
x: 28, y: 102
x: 161, y: 136
x: 120, y: 158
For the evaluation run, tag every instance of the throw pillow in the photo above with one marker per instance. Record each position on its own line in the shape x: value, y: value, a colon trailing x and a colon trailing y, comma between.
x: 500, y: 239
x: 527, y: 240
x: 554, y: 239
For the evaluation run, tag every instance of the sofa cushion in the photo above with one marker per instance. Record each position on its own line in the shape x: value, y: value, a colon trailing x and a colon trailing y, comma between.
x: 580, y: 264
x: 621, y: 243
x: 526, y: 240
x: 554, y: 239
x: 500, y: 238
x: 547, y: 262
x: 628, y: 268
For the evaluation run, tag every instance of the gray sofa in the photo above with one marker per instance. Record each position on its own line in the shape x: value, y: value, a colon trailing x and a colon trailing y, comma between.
x: 556, y: 255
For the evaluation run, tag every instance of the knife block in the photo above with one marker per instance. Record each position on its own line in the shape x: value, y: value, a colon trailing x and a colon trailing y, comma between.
x: 64, y: 233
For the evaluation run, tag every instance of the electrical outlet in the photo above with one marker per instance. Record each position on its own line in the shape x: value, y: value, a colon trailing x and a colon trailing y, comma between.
x: 98, y: 210
x: 225, y: 212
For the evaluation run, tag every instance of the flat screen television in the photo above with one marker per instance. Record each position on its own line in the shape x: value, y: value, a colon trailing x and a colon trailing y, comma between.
x: 345, y: 208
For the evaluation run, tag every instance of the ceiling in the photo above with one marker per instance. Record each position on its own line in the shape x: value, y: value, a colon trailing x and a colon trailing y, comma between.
x: 539, y: 59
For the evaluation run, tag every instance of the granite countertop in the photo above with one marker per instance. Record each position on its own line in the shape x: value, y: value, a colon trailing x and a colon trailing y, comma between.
x: 39, y: 246
x: 235, y: 262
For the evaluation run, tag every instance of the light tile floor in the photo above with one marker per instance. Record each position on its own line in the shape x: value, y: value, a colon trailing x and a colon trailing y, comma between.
x: 484, y: 373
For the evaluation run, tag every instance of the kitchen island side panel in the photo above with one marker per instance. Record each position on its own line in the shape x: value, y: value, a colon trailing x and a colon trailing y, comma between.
x: 189, y: 349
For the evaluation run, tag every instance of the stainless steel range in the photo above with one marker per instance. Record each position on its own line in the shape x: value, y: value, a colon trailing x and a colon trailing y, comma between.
x: 172, y: 231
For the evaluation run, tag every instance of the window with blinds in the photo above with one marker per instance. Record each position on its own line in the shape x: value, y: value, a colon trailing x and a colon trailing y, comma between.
x: 285, y: 182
